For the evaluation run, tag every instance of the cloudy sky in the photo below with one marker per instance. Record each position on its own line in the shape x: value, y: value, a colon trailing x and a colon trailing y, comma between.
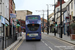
x: 34, y: 5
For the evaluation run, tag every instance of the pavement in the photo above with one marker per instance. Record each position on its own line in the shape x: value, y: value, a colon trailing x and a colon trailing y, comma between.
x: 64, y: 38
x: 1, y: 43
x: 13, y: 44
x: 16, y: 42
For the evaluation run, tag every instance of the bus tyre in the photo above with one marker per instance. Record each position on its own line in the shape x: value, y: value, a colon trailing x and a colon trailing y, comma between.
x: 39, y: 40
x: 26, y: 40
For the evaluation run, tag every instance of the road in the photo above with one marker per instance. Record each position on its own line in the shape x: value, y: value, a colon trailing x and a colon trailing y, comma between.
x: 47, y: 43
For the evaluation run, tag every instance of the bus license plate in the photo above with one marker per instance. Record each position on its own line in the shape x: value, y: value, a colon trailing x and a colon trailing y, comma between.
x: 33, y: 38
x: 33, y: 35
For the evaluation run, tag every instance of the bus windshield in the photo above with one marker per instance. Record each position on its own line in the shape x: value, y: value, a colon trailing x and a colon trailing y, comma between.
x: 33, y: 27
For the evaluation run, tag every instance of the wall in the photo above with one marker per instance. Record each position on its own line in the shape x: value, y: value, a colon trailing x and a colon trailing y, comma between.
x: 4, y: 9
x: 13, y: 7
x: 10, y: 7
x: 21, y: 14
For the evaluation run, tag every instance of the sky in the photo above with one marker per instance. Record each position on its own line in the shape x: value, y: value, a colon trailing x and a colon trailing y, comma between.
x: 33, y: 5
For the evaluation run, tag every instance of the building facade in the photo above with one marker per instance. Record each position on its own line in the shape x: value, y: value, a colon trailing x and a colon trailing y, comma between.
x: 51, y: 22
x: 67, y: 15
x: 21, y: 14
x: 57, y: 14
x: 44, y: 26
x: 4, y: 16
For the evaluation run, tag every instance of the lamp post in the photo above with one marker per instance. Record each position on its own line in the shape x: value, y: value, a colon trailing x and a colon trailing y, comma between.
x: 43, y: 21
x: 18, y: 24
x: 61, y: 18
x: 47, y: 19
x: 54, y: 19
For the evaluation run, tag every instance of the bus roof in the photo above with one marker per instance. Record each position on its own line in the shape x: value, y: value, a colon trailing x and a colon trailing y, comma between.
x: 32, y: 15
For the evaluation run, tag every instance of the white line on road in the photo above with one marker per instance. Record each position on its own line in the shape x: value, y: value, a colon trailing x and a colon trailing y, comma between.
x: 47, y: 45
x: 43, y: 41
x: 50, y: 48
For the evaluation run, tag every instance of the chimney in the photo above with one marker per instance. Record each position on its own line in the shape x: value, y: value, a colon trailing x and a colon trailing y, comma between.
x: 58, y: 3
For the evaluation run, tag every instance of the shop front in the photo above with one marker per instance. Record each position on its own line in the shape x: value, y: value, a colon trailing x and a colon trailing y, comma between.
x: 2, y: 32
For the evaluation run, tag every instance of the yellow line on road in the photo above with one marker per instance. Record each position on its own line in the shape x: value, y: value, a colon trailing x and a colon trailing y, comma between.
x: 18, y: 45
x: 60, y: 40
x: 53, y: 44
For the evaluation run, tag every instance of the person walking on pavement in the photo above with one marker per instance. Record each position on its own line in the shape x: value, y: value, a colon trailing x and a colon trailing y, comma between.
x: 23, y: 35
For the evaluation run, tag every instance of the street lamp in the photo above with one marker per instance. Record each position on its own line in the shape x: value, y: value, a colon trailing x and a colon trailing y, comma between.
x: 61, y: 18
x: 47, y: 19
x: 54, y: 19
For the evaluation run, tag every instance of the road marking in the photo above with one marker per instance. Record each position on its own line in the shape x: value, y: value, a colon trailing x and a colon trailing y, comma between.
x: 47, y: 45
x: 64, y: 41
x: 18, y: 45
x: 43, y: 41
x: 60, y: 40
x: 50, y: 48
x: 52, y: 44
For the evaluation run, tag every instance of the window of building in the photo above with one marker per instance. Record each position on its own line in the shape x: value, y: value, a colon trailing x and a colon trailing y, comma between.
x: 68, y: 7
x: 71, y: 5
x: 1, y: 29
x: 74, y: 4
x: 57, y: 9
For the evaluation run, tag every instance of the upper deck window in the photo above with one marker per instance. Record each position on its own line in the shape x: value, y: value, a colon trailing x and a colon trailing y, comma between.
x: 30, y: 18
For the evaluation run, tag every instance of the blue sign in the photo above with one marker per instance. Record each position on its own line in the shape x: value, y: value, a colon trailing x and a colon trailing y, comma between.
x: 2, y: 20
x: 13, y: 15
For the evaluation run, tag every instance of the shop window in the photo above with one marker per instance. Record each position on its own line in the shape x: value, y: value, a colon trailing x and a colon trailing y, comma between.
x: 1, y: 30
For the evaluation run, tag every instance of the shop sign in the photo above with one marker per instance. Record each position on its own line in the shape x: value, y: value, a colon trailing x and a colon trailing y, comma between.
x: 2, y: 20
x: 13, y: 15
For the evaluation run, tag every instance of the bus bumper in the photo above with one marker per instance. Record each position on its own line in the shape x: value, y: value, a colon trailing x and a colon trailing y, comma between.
x: 33, y: 38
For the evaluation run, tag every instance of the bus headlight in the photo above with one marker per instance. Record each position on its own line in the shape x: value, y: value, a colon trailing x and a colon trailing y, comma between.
x: 27, y: 22
x: 39, y: 21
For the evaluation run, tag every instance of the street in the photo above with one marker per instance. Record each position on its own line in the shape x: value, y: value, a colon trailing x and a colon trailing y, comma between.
x: 47, y: 43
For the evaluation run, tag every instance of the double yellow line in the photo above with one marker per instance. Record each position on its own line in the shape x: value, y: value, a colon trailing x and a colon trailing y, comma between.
x: 18, y: 45
x: 60, y: 40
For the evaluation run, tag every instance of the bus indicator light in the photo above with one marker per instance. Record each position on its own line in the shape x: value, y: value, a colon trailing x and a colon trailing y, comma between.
x: 32, y: 24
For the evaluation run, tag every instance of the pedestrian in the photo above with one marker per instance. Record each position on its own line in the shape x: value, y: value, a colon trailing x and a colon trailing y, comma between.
x: 22, y: 34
